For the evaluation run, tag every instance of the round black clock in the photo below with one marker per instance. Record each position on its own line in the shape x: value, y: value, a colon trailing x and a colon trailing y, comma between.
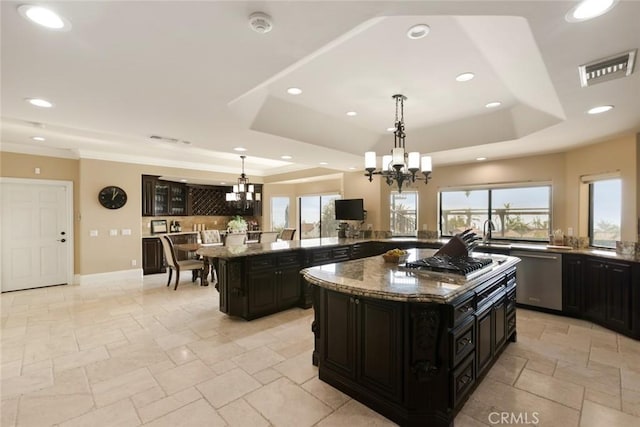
x: 112, y: 197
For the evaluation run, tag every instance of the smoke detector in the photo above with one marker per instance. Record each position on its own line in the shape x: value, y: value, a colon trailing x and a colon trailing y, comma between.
x: 260, y: 22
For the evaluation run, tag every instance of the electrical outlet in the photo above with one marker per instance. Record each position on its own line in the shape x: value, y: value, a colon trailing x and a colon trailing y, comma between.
x: 134, y: 263
x: 126, y: 232
x: 113, y: 232
x: 93, y: 233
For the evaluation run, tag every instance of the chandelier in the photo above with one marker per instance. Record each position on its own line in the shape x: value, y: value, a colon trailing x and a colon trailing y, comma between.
x: 243, y: 193
x: 400, y: 166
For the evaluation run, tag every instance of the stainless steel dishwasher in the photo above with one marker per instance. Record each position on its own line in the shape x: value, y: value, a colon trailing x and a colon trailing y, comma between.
x: 539, y: 278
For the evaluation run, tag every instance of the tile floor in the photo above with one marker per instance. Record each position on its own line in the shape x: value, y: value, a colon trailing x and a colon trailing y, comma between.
x: 138, y: 353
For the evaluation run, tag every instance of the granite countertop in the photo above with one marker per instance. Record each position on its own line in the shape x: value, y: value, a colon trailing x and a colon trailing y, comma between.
x: 264, y: 248
x: 156, y: 236
x: 372, y: 277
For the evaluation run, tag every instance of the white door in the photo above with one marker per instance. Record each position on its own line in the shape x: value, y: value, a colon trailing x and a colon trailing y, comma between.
x: 36, y: 240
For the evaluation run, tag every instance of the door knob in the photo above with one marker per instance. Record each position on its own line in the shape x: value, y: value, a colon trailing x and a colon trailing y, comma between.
x: 62, y: 233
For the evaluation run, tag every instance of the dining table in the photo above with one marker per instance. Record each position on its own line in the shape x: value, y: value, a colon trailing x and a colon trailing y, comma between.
x: 191, y: 248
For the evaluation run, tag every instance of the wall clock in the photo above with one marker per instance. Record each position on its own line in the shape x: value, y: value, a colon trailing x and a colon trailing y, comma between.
x: 112, y: 197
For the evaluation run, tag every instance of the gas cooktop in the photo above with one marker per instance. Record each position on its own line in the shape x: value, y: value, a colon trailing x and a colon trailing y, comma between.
x: 464, y: 266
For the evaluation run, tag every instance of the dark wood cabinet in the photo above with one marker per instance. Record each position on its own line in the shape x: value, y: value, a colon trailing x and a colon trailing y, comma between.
x: 152, y: 256
x: 364, y: 342
x: 572, y: 279
x: 163, y: 197
x: 608, y: 294
x: 272, y: 284
x: 485, y: 337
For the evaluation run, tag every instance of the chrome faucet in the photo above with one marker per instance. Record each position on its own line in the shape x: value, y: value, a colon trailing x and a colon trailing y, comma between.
x: 486, y: 234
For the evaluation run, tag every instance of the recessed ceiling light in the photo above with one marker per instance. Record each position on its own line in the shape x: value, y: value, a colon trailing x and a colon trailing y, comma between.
x: 418, y: 31
x: 352, y: 168
x: 183, y: 180
x: 351, y: 113
x: 294, y: 91
x: 285, y: 157
x: 481, y: 158
x: 465, y: 77
x: 390, y: 129
x: 222, y: 183
x: 493, y: 104
x: 240, y: 149
x: 38, y: 138
x: 324, y: 163
x: 589, y: 9
x: 600, y: 109
x: 45, y: 17
x: 39, y: 102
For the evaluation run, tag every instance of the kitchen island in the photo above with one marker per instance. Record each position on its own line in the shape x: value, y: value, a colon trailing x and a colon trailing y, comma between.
x: 410, y: 344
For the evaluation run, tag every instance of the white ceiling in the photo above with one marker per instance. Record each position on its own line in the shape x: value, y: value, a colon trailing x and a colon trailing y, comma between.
x: 196, y: 72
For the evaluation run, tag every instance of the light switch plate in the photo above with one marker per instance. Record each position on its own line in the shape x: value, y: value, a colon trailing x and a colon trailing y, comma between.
x: 113, y: 232
x: 126, y: 232
x: 93, y: 233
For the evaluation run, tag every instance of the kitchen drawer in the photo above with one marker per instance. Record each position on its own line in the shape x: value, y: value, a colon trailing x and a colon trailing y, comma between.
x: 463, y: 309
x: 318, y: 257
x: 511, y: 300
x: 462, y: 341
x: 288, y: 260
x: 462, y: 380
x: 261, y: 262
x: 339, y: 254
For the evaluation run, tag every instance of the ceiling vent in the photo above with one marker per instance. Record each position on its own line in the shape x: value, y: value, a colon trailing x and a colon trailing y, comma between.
x: 164, y: 139
x: 602, y: 70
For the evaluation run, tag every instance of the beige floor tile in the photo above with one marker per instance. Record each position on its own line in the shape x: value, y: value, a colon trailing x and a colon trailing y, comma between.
x: 273, y: 401
x: 106, y: 336
x: 176, y: 339
x: 507, y: 369
x: 268, y: 375
x: 606, y: 399
x: 222, y: 367
x: 168, y: 404
x: 8, y: 412
x: 211, y: 351
x: 26, y: 383
x: 240, y: 414
x: 228, y: 387
x: 328, y: 395
x: 181, y: 355
x: 81, y: 358
x: 560, y: 391
x: 10, y: 369
x: 257, y: 359
x: 121, y: 414
x: 184, y: 376
x: 191, y: 415
x: 298, y: 369
x: 595, y: 415
x: 148, y: 396
x: 463, y: 420
x: 595, y: 378
x: 129, y: 384
x: 631, y: 402
x: 510, y: 399
x: 630, y: 379
x: 355, y: 414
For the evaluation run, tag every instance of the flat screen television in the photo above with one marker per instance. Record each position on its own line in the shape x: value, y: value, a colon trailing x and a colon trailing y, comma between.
x: 350, y: 209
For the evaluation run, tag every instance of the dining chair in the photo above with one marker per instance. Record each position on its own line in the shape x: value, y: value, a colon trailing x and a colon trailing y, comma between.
x: 268, y: 236
x: 288, y: 233
x: 178, y: 266
x: 210, y: 236
x: 235, y: 239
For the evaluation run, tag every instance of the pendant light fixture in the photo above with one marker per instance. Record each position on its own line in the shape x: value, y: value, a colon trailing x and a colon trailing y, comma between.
x: 400, y: 166
x: 243, y: 193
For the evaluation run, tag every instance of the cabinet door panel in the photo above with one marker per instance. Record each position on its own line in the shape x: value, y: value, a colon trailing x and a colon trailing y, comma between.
x: 484, y: 346
x: 289, y: 286
x: 262, y: 290
x: 339, y: 341
x: 594, y: 292
x: 572, y: 285
x: 499, y: 323
x: 379, y: 350
x: 618, y: 309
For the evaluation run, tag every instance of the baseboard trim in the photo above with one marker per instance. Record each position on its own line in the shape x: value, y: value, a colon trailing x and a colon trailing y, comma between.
x: 86, y: 279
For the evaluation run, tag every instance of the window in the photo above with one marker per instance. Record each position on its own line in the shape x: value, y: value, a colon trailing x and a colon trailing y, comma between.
x: 518, y: 213
x: 404, y: 213
x: 317, y: 216
x: 605, y: 212
x: 279, y: 213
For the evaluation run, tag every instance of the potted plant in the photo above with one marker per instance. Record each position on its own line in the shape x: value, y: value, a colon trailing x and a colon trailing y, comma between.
x: 237, y: 224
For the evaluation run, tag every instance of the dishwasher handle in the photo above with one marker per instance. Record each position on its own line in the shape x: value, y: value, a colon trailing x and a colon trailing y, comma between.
x: 536, y: 256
